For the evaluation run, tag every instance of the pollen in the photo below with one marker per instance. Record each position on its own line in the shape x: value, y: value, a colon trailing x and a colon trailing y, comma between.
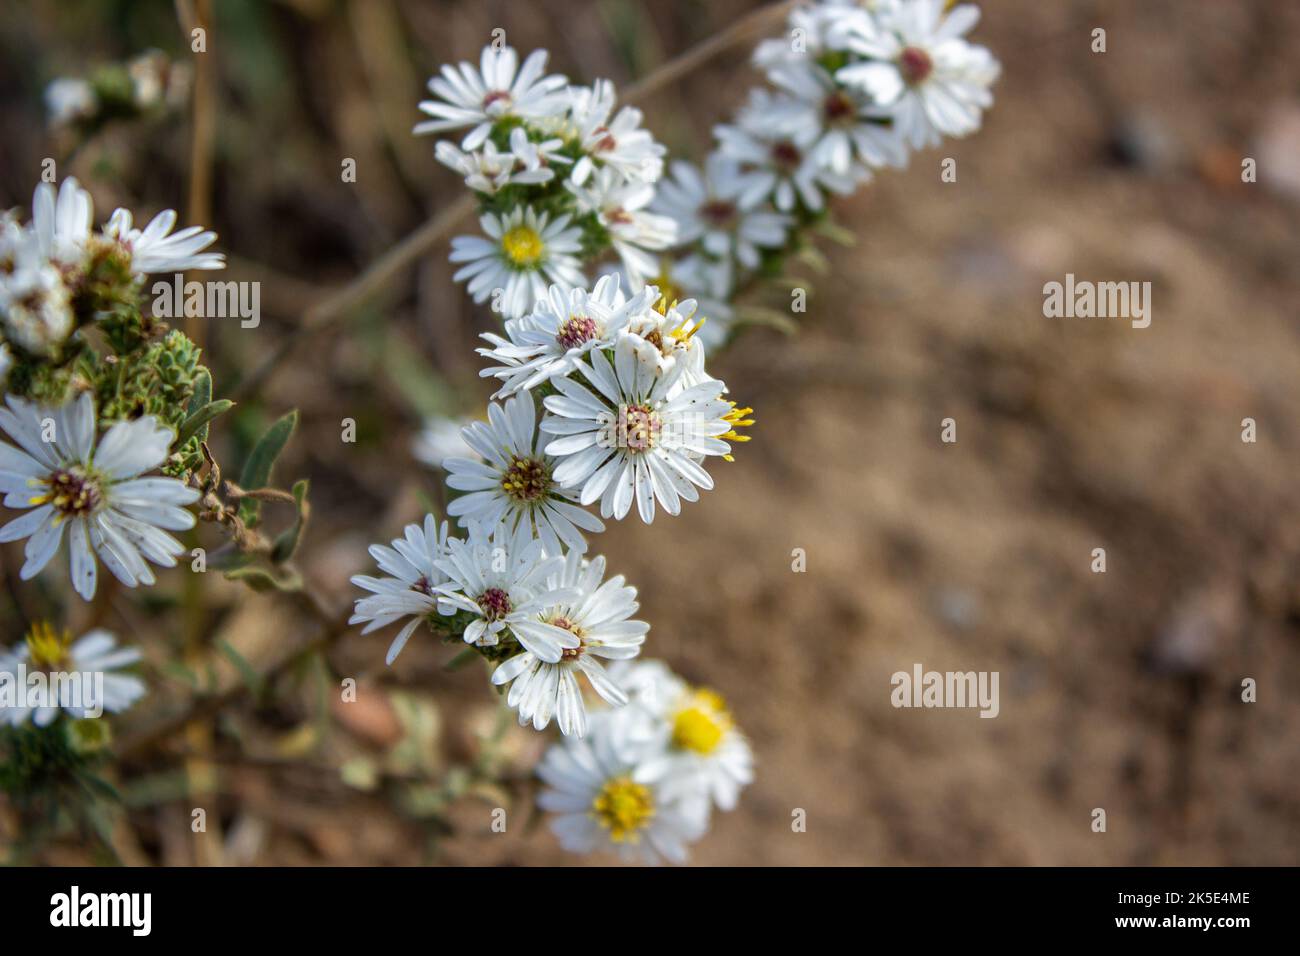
x: 526, y: 480
x: 523, y: 246
x: 577, y: 330
x: 624, y: 808
x: 48, y: 650
x: 639, y: 427
x: 72, y: 492
x: 701, y: 724
x: 737, y: 418
x: 495, y: 604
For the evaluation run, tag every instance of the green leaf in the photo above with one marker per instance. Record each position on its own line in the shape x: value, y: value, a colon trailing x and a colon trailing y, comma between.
x: 287, y: 542
x: 202, y: 390
x: 261, y: 580
x: 257, y: 470
x: 247, y: 672
x: 199, y: 420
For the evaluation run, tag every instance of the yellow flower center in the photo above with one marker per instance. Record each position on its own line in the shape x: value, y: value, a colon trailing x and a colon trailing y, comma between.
x: 47, y: 650
x: 623, y: 807
x: 702, y: 723
x: 522, y: 246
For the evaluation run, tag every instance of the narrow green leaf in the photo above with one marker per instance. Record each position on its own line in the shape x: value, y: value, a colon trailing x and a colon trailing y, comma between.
x: 199, y: 420
x: 257, y: 470
x: 260, y: 579
x: 247, y: 672
x: 202, y: 390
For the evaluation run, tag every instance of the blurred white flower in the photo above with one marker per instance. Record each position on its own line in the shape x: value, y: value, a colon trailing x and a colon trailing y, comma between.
x: 931, y: 82
x: 94, y: 653
x: 720, y: 209
x: 69, y: 99
x: 781, y: 160
x: 621, y: 207
x: 440, y: 439
x: 35, y: 304
x: 600, y: 807
x: 697, y: 748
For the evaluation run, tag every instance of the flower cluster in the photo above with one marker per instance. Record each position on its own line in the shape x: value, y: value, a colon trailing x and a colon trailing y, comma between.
x: 562, y: 175
x: 645, y: 780
x: 59, y: 278
x: 105, y: 410
x: 59, y: 275
x: 851, y: 88
x: 603, y: 394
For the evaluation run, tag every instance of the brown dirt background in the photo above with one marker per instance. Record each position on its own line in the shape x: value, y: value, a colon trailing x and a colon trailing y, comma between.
x: 1118, y: 690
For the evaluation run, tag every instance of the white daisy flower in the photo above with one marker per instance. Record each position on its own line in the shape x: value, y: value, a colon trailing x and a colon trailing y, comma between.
x: 155, y: 249
x: 411, y: 574
x: 782, y: 163
x: 620, y: 206
x: 513, y: 483
x: 600, y: 807
x: 524, y: 252
x: 440, y: 439
x: 502, y: 578
x: 485, y: 170
x: 499, y: 88
x: 638, y: 435
x: 599, y: 618
x: 620, y: 144
x: 92, y: 489
x: 565, y: 325
x: 698, y: 749
x: 931, y: 81
x: 94, y: 653
x: 852, y: 126
x: 820, y: 28
x: 61, y: 222
x: 536, y: 158
x: 35, y: 304
x: 666, y: 335
x: 720, y: 209
x: 6, y: 362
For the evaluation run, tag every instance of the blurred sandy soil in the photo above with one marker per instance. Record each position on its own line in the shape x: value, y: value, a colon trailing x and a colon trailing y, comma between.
x: 1118, y: 690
